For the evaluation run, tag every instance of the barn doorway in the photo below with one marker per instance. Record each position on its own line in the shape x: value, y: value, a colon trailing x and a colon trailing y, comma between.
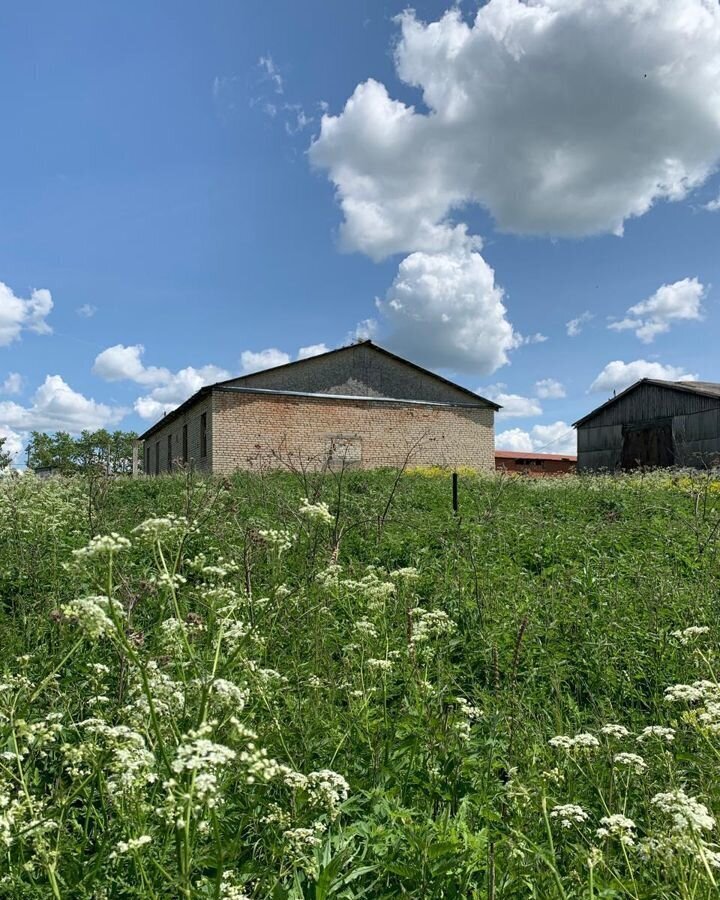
x: 648, y: 446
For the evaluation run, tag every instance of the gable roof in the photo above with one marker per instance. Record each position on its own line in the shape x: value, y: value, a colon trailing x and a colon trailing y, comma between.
x: 236, y: 383
x: 702, y: 388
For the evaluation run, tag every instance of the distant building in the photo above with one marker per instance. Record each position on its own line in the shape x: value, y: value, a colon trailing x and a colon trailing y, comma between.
x: 359, y: 406
x: 653, y: 424
x: 535, y: 464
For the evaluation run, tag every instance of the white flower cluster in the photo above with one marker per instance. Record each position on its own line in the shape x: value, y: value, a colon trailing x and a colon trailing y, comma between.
x: 168, y: 696
x: 407, y: 573
x: 688, y: 635
x: 569, y: 814
x: 583, y: 741
x: 618, y: 731
x: 159, y: 526
x: 124, y: 847
x: 630, y: 761
x: 618, y: 826
x: 92, y: 614
x: 326, y: 790
x: 230, y: 695
x: 203, y: 758
x: 365, y: 628
x: 131, y: 764
x: 661, y: 732
x: 280, y: 539
x: 380, y: 665
x: 429, y: 624
x: 103, y: 545
x: 230, y: 889
x: 370, y: 587
x: 303, y: 839
x: 316, y: 512
x: 687, y: 813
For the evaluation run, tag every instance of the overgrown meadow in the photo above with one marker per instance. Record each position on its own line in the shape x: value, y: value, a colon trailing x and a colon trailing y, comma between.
x: 296, y: 686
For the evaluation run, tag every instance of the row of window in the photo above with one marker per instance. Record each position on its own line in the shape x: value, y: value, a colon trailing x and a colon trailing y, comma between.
x: 185, y: 453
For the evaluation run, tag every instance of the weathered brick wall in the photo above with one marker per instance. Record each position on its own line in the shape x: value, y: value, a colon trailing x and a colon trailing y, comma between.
x: 361, y: 371
x: 174, y: 428
x: 256, y: 430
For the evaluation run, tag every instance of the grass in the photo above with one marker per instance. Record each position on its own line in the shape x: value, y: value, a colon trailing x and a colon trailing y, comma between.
x: 291, y: 685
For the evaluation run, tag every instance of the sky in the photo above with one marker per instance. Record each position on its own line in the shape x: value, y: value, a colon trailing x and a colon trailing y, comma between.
x: 523, y: 196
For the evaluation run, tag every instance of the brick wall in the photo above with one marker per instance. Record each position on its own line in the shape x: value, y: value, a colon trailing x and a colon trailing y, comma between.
x: 174, y: 429
x: 254, y: 430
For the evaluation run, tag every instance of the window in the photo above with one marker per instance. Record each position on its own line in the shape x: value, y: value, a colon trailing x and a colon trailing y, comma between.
x: 169, y: 459
x: 184, y: 445
x: 157, y: 457
x: 203, y: 435
x: 147, y: 460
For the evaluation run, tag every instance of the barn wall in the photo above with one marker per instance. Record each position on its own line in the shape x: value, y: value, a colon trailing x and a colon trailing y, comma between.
x: 358, y: 371
x: 174, y: 429
x: 271, y: 430
x: 695, y: 425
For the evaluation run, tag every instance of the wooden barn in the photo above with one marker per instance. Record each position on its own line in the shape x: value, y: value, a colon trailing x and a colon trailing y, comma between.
x: 653, y: 424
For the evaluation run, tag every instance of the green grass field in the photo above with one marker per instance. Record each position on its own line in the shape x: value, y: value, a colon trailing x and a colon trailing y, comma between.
x: 226, y: 689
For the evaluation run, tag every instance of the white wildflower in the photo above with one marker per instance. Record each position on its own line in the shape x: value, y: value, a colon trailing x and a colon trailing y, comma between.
x: 280, y: 539
x: 583, y: 740
x: 158, y: 526
x: 102, y: 545
x: 617, y: 826
x: 317, y: 512
x: 661, y: 732
x: 92, y: 614
x: 123, y: 847
x: 618, y: 731
x: 688, y: 635
x: 327, y: 790
x: 569, y: 814
x: 688, y: 814
x: 631, y: 761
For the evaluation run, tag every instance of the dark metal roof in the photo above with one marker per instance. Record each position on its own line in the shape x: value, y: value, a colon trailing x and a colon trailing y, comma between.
x: 522, y: 454
x: 231, y: 384
x: 703, y: 388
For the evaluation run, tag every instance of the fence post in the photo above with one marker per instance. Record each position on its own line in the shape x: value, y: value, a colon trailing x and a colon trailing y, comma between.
x: 455, y: 492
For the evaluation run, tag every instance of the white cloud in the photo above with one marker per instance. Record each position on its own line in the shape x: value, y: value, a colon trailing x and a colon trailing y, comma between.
x: 558, y: 437
x: 670, y: 303
x: 617, y: 375
x: 271, y: 73
x: 13, y: 384
x: 252, y: 361
x: 55, y: 406
x: 562, y: 117
x: 363, y: 331
x: 121, y: 363
x: 176, y: 389
x: 446, y: 311
x: 14, y: 443
x: 86, y: 311
x: 575, y: 326
x: 549, y: 389
x: 513, y: 405
x: 17, y: 315
x: 169, y: 389
x: 713, y: 205
x: 312, y: 350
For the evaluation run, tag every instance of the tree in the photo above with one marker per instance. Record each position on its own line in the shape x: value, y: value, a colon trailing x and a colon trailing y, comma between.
x: 99, y: 451
x: 5, y: 457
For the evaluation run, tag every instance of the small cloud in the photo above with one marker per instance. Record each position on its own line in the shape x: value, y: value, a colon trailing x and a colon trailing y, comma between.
x: 86, y: 311
x: 713, y: 205
x: 513, y: 405
x: 312, y: 350
x: 255, y: 361
x: 13, y: 384
x: 681, y: 300
x: 557, y: 437
x: 271, y: 74
x: 617, y: 375
x: 363, y: 331
x: 18, y: 315
x: 575, y: 326
x: 549, y: 389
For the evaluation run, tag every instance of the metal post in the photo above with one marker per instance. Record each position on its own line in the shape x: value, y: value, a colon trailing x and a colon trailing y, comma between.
x: 455, y: 492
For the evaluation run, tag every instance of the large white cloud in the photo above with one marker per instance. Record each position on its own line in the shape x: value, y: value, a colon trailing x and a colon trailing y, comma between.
x: 55, y: 406
x: 17, y: 314
x: 562, y: 117
x: 255, y: 361
x: 557, y: 437
x: 617, y: 375
x: 670, y: 303
x: 14, y: 443
x: 514, y: 406
x: 446, y: 311
x: 120, y: 363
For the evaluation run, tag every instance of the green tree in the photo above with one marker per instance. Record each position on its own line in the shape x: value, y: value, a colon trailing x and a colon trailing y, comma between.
x: 5, y: 457
x: 99, y: 451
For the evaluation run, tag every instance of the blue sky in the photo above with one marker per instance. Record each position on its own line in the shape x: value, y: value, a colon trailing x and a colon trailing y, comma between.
x: 157, y: 182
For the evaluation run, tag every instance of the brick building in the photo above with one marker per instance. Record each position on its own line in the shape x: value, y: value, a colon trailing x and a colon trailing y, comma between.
x: 360, y: 406
x: 534, y: 464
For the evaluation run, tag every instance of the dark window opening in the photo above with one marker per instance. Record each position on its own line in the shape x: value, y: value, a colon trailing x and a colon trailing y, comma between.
x: 157, y: 457
x: 184, y: 445
x: 169, y: 451
x: 147, y: 460
x: 203, y: 435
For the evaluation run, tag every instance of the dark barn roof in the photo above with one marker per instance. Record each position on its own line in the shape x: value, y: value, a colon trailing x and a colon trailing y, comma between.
x: 236, y: 384
x: 701, y: 388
